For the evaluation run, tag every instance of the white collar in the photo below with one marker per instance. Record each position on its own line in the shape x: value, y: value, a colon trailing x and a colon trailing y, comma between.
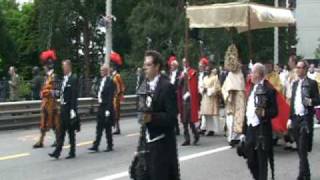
x: 68, y: 75
x: 300, y: 80
x: 175, y: 71
x: 50, y: 72
x: 104, y: 78
x: 185, y: 69
x: 154, y: 82
x: 260, y: 82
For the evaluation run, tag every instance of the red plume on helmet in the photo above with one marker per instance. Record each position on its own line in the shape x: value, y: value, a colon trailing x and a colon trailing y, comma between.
x: 49, y: 55
x: 116, y: 58
x: 204, y: 61
x: 171, y: 60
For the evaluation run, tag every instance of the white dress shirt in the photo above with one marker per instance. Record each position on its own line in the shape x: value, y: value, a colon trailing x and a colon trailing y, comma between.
x: 252, y: 118
x: 200, y: 81
x: 101, y: 89
x: 283, y: 77
x: 64, y: 84
x: 312, y: 75
x: 173, y: 76
x: 153, y: 85
x: 298, y: 106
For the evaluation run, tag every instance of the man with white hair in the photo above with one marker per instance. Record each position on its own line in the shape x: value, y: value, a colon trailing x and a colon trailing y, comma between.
x: 105, y: 114
x: 174, y: 74
x: 261, y: 109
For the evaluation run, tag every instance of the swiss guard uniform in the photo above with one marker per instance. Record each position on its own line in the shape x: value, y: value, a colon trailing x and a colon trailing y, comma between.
x: 116, y: 62
x: 49, y: 107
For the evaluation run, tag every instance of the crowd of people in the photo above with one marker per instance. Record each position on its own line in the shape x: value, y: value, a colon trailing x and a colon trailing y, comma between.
x: 253, y: 110
x: 227, y: 101
x: 62, y: 116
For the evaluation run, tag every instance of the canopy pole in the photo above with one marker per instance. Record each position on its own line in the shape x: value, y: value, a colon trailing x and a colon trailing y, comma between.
x: 249, y: 37
x: 186, y: 35
x: 276, y: 40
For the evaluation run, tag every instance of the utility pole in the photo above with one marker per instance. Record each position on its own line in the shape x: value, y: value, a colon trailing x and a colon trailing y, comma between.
x: 108, y: 38
x: 276, y: 39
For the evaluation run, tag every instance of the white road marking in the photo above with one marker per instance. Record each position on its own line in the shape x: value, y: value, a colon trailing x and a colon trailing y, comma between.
x: 134, y: 134
x: 181, y: 159
x: 14, y: 156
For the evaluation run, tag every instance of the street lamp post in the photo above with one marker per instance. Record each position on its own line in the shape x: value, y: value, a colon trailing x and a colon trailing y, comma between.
x: 108, y: 38
x: 276, y: 39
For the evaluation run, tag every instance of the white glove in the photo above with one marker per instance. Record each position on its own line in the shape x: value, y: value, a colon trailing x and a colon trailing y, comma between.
x: 242, y: 137
x: 72, y: 114
x: 186, y: 95
x: 107, y: 113
x: 289, y: 123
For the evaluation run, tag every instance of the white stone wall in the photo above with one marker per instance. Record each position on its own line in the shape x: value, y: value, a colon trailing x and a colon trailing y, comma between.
x: 308, y: 27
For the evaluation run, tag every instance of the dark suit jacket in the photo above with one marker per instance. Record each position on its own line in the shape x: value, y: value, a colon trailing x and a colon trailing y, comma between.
x: 310, y: 88
x: 312, y: 91
x: 176, y: 83
x: 164, y: 110
x: 107, y: 95
x: 270, y: 112
x: 70, y: 96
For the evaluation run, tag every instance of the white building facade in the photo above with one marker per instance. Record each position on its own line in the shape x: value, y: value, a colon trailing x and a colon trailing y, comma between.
x: 308, y: 27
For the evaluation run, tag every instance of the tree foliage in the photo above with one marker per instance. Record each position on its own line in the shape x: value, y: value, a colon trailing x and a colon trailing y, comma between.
x: 71, y: 28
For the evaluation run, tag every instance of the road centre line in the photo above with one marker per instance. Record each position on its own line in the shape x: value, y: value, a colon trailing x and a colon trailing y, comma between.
x: 181, y: 159
x: 15, y: 156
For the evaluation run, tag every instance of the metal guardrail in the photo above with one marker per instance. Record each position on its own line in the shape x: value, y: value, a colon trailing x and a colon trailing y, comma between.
x: 86, y: 88
x: 22, y: 114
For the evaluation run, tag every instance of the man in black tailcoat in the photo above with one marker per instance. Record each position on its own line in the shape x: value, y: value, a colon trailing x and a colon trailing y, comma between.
x: 106, y: 111
x: 305, y: 96
x: 69, y: 119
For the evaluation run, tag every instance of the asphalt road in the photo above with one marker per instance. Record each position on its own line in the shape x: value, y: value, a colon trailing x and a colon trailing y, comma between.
x: 211, y: 159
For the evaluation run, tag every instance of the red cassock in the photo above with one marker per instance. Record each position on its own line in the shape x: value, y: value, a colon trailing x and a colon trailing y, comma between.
x: 279, y: 123
x: 194, y: 94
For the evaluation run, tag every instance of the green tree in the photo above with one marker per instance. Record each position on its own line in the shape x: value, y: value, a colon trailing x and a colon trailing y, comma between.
x: 7, y: 46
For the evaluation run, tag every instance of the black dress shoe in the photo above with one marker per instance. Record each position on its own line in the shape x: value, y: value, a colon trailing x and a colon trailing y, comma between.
x: 196, y: 140
x: 109, y: 149
x: 287, y: 148
x: 71, y: 156
x: 186, y: 143
x: 94, y: 148
x: 38, y: 145
x: 202, y: 132
x: 210, y: 133
x: 54, y: 155
x: 54, y: 144
x: 234, y: 143
x: 116, y: 133
x: 303, y: 178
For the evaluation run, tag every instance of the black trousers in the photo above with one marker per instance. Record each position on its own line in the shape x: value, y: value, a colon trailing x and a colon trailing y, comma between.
x: 103, y: 124
x: 187, y: 122
x: 66, y: 127
x: 162, y: 159
x: 257, y: 158
x: 177, y: 128
x: 303, y: 132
